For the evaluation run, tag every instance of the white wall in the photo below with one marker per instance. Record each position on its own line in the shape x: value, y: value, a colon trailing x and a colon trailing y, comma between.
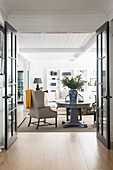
x: 25, y: 65
x: 86, y: 61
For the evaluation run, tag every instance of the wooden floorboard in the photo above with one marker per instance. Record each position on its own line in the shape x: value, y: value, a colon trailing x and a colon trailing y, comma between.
x: 57, y: 151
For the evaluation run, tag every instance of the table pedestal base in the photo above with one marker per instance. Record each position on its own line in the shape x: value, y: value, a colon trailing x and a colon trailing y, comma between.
x: 74, y: 122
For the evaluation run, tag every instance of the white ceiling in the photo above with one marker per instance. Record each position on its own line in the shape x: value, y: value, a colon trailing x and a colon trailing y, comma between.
x: 38, y: 46
x: 74, y: 40
x: 55, y: 16
x: 34, y: 16
x: 57, y: 5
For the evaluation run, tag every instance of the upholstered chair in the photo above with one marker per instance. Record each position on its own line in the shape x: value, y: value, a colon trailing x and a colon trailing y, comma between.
x: 39, y: 110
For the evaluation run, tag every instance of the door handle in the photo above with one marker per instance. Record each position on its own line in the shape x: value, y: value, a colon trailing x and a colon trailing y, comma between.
x: 107, y: 97
x: 6, y: 97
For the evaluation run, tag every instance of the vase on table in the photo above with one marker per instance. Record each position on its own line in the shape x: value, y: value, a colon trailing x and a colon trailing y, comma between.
x: 73, y: 95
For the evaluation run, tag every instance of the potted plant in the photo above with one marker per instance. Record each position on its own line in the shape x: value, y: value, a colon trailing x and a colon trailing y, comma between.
x: 74, y: 84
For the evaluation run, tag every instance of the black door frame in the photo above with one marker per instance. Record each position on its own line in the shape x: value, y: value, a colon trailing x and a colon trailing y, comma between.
x: 105, y: 142
x: 12, y: 139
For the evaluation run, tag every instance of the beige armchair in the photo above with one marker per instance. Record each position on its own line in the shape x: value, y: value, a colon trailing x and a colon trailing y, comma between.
x: 39, y: 110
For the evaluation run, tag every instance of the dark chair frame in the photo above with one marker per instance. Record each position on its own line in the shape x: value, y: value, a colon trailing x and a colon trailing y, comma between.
x: 38, y: 123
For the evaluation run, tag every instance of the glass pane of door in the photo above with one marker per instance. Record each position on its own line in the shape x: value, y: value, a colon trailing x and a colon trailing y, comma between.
x: 20, y: 86
x: 99, y: 65
x: 1, y: 51
x: 104, y: 81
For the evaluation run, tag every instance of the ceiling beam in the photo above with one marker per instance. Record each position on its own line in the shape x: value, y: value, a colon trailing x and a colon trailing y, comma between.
x: 36, y: 50
x: 87, y: 47
x: 90, y: 43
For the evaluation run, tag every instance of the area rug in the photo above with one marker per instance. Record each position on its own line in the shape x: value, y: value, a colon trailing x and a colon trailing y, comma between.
x: 87, y: 119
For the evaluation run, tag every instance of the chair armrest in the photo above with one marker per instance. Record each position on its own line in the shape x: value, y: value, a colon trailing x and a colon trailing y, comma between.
x: 47, y: 107
x: 44, y: 107
x: 53, y: 109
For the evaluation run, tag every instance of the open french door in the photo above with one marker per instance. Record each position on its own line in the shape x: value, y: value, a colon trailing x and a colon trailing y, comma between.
x: 10, y: 86
x: 103, y: 85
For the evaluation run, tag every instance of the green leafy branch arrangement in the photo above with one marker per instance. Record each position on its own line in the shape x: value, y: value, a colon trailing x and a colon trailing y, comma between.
x: 73, y: 83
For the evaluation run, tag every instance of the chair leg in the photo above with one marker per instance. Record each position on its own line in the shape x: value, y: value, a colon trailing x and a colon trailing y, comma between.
x: 56, y: 122
x: 38, y: 124
x: 94, y: 117
x: 44, y: 121
x: 67, y: 110
x: 29, y: 121
x: 80, y: 114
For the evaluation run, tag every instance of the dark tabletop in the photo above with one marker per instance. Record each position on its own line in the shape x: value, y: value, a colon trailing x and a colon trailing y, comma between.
x: 73, y: 105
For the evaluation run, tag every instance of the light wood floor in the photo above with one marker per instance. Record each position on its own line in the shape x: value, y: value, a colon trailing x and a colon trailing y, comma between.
x: 57, y: 151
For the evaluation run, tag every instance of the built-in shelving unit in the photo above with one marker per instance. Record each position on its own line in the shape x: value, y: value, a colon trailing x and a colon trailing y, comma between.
x: 56, y: 89
x: 54, y: 84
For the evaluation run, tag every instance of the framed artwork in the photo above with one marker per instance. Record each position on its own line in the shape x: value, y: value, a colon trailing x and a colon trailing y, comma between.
x: 92, y: 81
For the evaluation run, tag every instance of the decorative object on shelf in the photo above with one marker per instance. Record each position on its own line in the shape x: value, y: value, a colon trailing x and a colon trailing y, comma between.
x: 66, y: 74
x: 74, y: 84
x: 53, y: 78
x: 92, y: 81
x: 53, y: 73
x: 37, y: 81
x: 81, y: 71
x: 67, y: 99
x: 53, y: 90
x: 41, y: 88
x: 53, y: 84
x: 80, y: 98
